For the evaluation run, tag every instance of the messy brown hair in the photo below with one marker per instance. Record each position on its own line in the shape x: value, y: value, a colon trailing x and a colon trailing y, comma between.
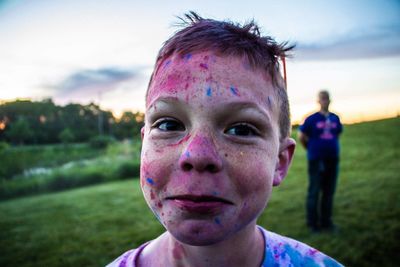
x: 234, y: 40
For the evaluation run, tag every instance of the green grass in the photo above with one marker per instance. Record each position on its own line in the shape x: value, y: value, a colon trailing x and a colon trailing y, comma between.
x: 93, y: 225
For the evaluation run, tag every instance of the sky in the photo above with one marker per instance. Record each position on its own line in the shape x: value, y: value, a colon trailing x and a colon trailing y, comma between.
x: 103, y: 51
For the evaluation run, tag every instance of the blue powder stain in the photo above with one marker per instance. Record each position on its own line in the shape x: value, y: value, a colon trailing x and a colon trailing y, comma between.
x: 187, y: 56
x: 217, y: 221
x: 215, y: 193
x: 234, y: 90
x: 209, y: 91
x: 187, y: 154
x: 150, y: 181
x: 167, y: 63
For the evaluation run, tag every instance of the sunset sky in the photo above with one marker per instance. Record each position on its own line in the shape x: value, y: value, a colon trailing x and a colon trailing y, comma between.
x: 104, y: 51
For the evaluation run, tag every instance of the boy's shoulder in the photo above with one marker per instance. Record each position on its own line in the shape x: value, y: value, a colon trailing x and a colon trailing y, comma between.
x: 284, y: 251
x: 128, y: 259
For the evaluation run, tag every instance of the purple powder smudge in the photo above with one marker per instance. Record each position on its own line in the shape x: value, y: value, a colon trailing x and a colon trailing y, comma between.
x: 203, y: 66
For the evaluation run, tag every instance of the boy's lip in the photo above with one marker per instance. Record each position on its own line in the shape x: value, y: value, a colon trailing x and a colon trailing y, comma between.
x: 201, y: 204
x: 199, y: 198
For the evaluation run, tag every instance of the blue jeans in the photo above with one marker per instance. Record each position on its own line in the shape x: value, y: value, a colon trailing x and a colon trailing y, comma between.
x: 321, y: 188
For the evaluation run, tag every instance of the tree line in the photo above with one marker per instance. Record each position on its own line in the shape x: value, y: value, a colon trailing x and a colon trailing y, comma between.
x: 43, y: 122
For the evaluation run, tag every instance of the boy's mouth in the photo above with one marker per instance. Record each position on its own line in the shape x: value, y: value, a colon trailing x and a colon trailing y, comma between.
x: 203, y: 204
x: 198, y: 199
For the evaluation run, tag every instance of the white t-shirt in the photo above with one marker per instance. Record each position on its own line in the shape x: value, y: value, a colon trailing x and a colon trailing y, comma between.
x: 279, y: 251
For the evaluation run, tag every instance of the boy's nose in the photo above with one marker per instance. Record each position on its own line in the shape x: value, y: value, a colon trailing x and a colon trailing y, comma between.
x: 200, y: 155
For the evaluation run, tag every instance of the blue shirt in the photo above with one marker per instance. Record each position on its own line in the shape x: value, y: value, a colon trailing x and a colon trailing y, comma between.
x: 323, y: 135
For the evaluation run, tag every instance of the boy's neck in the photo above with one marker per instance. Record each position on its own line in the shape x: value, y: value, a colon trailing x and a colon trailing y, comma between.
x: 324, y: 111
x: 246, y: 248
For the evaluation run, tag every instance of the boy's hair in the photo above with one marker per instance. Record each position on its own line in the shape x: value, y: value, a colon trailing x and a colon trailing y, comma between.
x: 230, y: 39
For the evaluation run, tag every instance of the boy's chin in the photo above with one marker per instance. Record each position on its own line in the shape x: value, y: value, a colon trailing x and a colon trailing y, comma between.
x: 199, y: 233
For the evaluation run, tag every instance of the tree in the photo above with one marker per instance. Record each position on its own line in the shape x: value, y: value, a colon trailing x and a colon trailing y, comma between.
x: 19, y: 131
x: 66, y: 136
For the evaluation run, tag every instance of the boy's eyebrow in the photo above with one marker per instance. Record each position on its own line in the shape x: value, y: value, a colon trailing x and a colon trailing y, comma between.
x: 228, y: 107
x: 165, y: 100
x: 249, y: 105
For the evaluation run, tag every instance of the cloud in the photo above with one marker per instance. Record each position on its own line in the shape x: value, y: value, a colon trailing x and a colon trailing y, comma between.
x: 374, y: 43
x: 91, y: 85
x: 89, y: 80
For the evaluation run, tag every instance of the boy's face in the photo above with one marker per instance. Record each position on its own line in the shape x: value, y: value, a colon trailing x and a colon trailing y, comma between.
x: 324, y: 101
x: 211, y: 150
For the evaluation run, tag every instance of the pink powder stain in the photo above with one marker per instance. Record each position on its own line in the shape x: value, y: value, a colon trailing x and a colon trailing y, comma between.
x: 178, y: 252
x: 152, y: 195
x: 172, y: 83
x: 181, y: 141
x: 159, y: 204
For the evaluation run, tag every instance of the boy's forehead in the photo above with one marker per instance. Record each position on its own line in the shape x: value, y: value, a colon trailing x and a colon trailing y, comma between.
x: 209, y: 62
x: 209, y: 75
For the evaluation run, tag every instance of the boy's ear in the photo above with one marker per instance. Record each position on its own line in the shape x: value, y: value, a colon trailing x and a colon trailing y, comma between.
x: 286, y: 152
x: 142, y: 133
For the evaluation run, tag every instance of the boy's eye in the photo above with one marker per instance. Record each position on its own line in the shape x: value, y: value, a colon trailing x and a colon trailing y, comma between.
x: 241, y: 130
x: 169, y: 125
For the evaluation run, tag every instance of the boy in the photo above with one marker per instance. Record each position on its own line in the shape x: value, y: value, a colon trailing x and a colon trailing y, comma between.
x: 215, y: 141
x: 320, y: 137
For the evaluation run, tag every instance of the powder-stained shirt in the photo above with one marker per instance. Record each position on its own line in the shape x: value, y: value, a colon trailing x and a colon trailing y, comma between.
x: 323, y: 133
x: 279, y: 251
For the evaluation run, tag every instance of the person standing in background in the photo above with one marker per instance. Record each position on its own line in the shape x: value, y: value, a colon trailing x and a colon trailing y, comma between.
x: 319, y: 135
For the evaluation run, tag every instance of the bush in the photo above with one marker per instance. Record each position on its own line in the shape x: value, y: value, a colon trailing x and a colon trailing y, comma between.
x: 63, y: 181
x: 66, y: 136
x: 101, y: 141
x: 4, y: 146
x: 128, y: 169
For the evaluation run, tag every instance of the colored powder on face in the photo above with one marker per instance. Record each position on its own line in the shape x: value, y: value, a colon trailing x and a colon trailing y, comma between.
x: 209, y: 91
x: 166, y: 64
x: 187, y: 154
x: 203, y: 66
x: 150, y: 181
x: 187, y: 57
x: 217, y: 221
x: 172, y: 83
x: 234, y: 91
x: 181, y: 141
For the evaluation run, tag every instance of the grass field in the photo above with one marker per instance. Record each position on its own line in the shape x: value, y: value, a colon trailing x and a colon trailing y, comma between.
x: 90, y: 226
